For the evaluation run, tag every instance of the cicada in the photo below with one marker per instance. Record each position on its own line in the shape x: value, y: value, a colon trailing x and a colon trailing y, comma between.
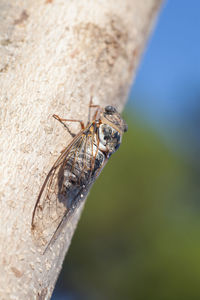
x: 72, y: 175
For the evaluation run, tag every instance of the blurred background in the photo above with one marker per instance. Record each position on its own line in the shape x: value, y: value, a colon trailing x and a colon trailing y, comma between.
x: 139, y: 235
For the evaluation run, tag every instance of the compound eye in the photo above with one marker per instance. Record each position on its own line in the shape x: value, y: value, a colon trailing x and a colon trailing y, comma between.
x: 110, y: 109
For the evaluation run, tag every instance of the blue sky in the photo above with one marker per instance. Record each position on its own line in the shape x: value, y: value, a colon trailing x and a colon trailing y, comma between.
x: 167, y: 84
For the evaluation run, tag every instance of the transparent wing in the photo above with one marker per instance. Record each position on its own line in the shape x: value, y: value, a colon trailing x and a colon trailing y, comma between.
x: 65, y: 187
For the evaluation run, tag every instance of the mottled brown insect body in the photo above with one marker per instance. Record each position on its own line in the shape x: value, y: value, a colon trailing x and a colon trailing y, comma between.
x: 72, y: 175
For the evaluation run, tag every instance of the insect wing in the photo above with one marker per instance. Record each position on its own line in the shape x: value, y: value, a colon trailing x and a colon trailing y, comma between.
x: 65, y: 186
x: 51, y: 206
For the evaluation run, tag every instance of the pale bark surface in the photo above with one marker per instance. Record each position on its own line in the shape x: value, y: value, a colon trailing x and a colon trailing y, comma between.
x: 52, y: 54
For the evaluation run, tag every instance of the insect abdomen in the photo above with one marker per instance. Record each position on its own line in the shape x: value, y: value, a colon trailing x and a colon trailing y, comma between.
x: 79, y: 171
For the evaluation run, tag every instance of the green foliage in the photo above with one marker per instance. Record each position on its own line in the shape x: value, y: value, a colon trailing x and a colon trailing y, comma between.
x: 138, y: 237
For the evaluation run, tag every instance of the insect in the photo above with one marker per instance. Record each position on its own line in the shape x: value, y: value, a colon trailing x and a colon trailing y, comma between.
x: 70, y: 178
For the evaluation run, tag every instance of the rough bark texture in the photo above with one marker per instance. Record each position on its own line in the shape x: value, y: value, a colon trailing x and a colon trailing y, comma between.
x: 52, y: 54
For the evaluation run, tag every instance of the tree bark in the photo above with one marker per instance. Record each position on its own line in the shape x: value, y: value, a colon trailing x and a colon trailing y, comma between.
x: 53, y: 53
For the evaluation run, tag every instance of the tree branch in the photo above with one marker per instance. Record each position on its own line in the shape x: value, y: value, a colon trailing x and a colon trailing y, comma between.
x: 53, y: 53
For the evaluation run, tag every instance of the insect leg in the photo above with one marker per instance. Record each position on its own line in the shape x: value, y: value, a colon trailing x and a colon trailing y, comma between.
x: 91, y: 105
x: 69, y: 120
x: 97, y: 149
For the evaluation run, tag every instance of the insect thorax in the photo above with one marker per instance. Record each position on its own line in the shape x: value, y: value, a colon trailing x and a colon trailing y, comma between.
x: 110, y: 138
